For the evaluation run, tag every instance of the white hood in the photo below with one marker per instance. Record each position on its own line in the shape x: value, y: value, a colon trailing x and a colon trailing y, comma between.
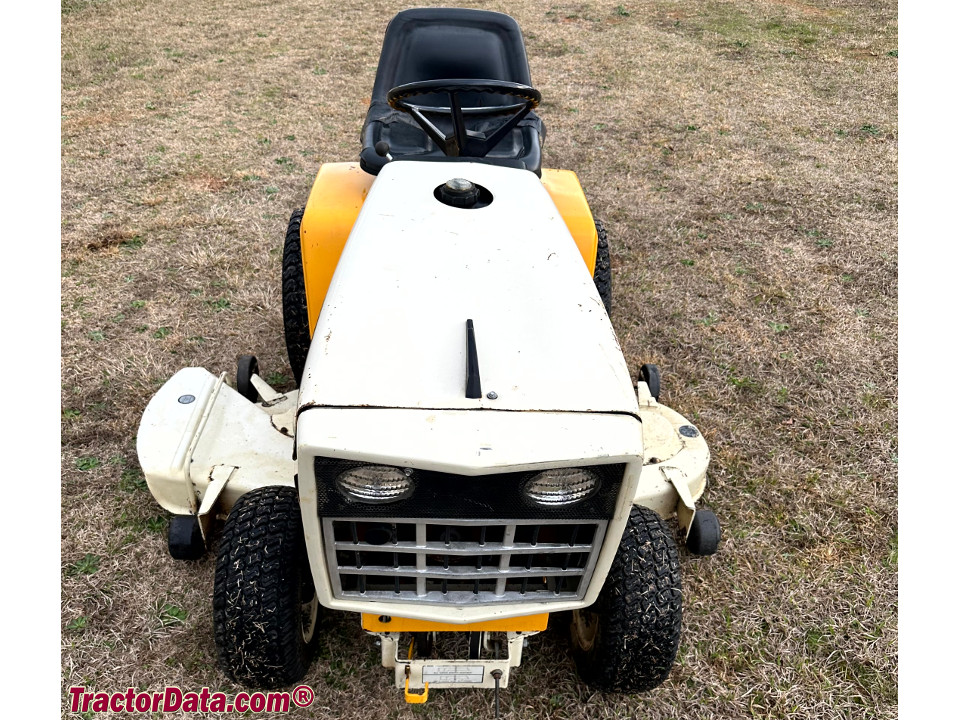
x: 392, y: 332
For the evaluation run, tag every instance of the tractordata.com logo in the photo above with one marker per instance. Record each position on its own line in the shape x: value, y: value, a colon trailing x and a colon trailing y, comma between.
x: 173, y: 699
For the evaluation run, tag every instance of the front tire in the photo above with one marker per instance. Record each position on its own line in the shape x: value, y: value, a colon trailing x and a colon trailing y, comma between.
x: 627, y: 641
x: 265, y: 610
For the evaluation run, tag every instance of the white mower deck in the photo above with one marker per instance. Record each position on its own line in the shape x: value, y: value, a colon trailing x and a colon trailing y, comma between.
x: 202, y: 445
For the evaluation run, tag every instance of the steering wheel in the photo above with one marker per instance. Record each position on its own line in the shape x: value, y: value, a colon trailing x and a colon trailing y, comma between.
x: 463, y: 142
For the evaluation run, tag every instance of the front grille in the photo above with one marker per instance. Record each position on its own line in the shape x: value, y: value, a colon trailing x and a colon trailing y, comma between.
x: 461, y: 562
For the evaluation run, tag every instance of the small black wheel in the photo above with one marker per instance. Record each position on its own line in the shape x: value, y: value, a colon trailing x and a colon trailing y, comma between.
x: 265, y: 609
x: 627, y: 641
x: 602, y: 274
x: 650, y: 374
x: 476, y: 643
x: 704, y: 536
x: 185, y: 541
x: 296, y: 323
x: 424, y: 644
x: 247, y: 367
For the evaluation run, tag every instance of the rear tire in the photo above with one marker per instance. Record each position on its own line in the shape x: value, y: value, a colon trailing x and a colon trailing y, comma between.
x: 296, y: 323
x: 602, y: 274
x: 265, y: 610
x: 627, y: 641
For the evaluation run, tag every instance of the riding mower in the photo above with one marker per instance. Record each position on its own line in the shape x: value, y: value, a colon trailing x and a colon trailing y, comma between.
x: 467, y: 452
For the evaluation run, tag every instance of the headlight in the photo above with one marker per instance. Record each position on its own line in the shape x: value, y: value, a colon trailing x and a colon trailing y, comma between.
x: 375, y: 484
x: 564, y: 486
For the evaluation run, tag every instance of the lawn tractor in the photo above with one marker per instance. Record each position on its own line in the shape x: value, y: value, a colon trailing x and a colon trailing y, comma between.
x: 467, y: 452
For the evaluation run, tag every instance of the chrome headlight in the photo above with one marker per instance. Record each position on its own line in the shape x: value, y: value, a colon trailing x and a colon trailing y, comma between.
x: 375, y: 484
x: 564, y: 486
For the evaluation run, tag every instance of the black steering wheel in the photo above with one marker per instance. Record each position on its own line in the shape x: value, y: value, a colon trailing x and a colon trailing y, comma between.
x: 463, y: 142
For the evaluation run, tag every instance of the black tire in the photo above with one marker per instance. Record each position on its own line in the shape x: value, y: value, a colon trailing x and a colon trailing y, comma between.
x: 704, y: 537
x: 602, y: 274
x: 650, y: 374
x: 296, y: 323
x: 247, y: 367
x: 627, y: 641
x: 265, y: 613
x: 185, y: 541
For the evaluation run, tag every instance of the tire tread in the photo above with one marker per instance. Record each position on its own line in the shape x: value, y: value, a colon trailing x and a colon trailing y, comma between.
x: 296, y: 323
x: 256, y: 601
x: 640, y: 611
x: 602, y: 273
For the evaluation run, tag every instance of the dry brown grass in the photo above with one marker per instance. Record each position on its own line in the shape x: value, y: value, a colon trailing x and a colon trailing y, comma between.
x: 744, y: 157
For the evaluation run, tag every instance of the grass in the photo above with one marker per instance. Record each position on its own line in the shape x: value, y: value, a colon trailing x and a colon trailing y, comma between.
x: 87, y: 463
x: 170, y: 614
x: 743, y: 155
x: 87, y: 565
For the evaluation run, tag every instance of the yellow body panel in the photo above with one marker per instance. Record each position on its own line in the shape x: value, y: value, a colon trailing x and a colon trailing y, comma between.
x: 335, y: 201
x: 527, y: 623
x: 339, y: 192
x: 567, y: 195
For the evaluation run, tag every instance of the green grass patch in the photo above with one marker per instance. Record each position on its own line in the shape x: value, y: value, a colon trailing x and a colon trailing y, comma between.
x: 710, y: 319
x: 71, y: 6
x: 170, y: 614
x: 87, y: 565
x: 132, y: 480
x: 219, y: 304
x: 742, y: 30
x: 745, y: 383
x: 87, y: 463
x: 156, y: 524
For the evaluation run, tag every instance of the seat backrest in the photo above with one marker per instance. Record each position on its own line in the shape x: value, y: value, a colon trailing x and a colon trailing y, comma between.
x: 444, y: 43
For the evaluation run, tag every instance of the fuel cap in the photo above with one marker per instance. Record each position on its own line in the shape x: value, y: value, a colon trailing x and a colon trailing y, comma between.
x: 459, y: 193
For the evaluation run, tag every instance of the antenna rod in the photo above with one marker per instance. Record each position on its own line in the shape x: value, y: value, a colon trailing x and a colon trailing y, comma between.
x: 473, y: 365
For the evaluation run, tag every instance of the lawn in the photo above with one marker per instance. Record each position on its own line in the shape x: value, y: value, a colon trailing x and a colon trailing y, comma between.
x: 743, y: 156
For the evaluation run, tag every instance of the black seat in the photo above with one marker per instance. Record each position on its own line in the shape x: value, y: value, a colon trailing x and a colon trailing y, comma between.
x: 445, y: 43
